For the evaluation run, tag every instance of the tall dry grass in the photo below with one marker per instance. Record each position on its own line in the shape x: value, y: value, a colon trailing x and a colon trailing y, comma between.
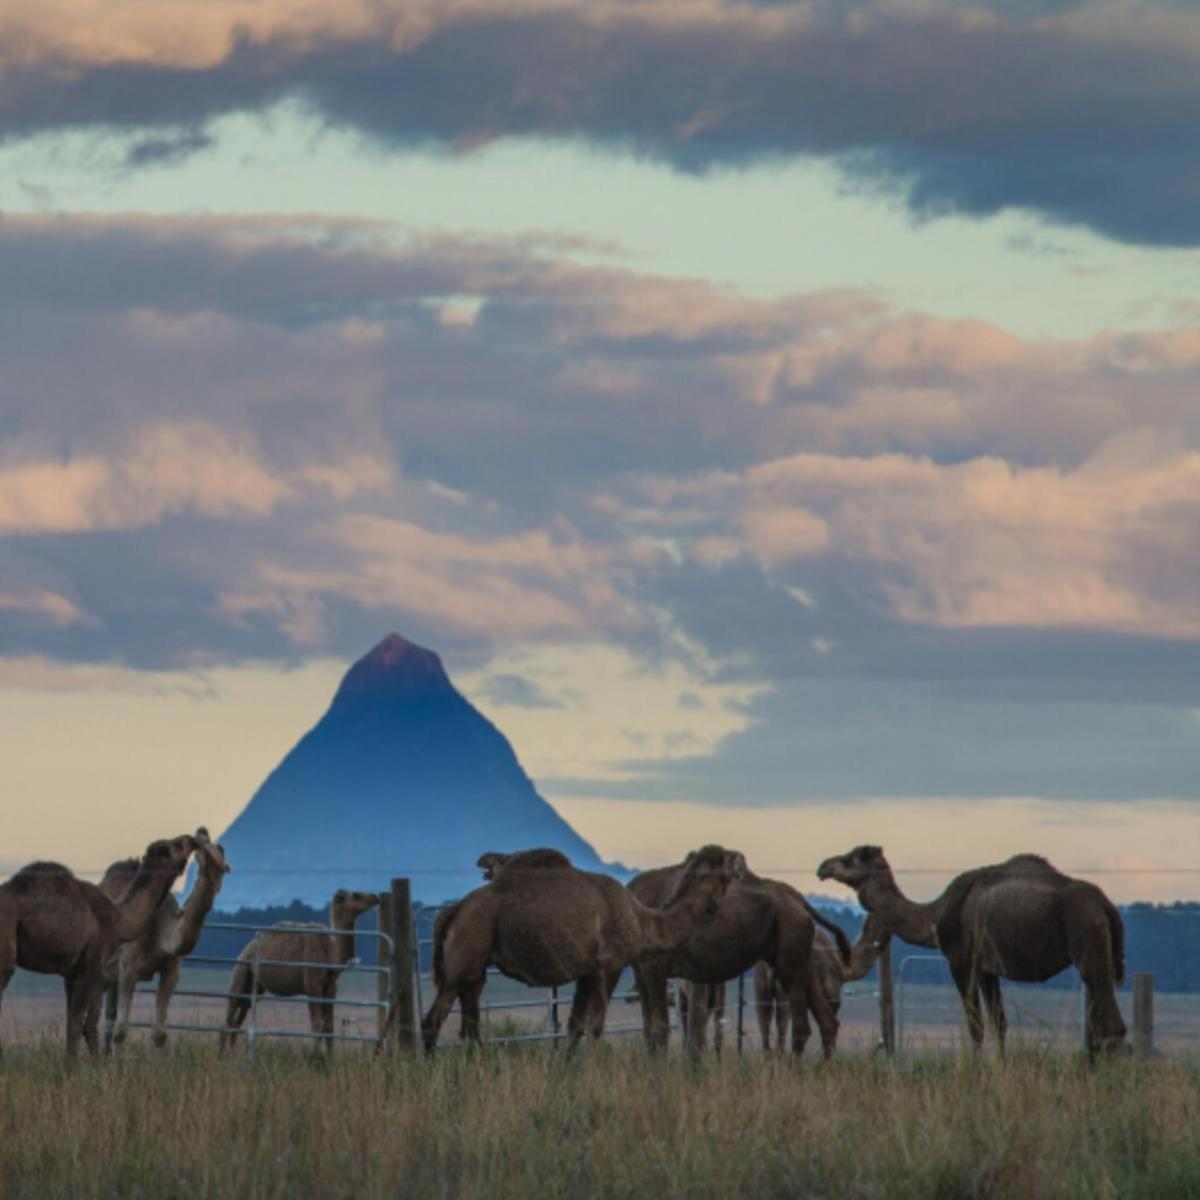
x: 523, y: 1123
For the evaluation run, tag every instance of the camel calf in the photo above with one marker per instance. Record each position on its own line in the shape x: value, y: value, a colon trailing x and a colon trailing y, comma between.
x: 324, y: 954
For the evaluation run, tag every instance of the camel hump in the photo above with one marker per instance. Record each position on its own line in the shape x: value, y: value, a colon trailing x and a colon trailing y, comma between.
x: 37, y: 875
x: 119, y: 878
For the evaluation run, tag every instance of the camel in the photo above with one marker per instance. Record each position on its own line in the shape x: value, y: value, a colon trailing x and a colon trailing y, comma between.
x: 771, y: 1000
x: 169, y: 939
x: 558, y: 925
x: 698, y: 1004
x: 526, y: 860
x: 759, y: 919
x: 55, y: 924
x: 1021, y: 920
x: 281, y: 950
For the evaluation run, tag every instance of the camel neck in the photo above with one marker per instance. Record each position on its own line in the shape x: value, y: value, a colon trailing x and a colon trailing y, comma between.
x: 139, y: 902
x: 198, y: 906
x: 343, y: 939
x: 665, y: 929
x: 897, y: 914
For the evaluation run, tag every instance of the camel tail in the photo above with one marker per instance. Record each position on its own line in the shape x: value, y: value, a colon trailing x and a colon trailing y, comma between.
x: 441, y: 926
x: 1116, y: 927
x: 845, y: 952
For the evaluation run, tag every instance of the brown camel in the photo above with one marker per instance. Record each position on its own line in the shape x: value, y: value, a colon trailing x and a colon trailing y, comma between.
x: 558, y: 925
x: 698, y: 1004
x: 526, y: 860
x: 281, y: 950
x: 771, y: 1000
x: 169, y: 939
x: 758, y: 919
x: 55, y: 924
x: 1021, y: 920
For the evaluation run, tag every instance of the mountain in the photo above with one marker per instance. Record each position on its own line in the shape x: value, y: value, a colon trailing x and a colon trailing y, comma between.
x: 402, y: 776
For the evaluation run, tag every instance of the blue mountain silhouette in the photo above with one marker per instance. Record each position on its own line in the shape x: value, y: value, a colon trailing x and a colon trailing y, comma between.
x: 402, y: 776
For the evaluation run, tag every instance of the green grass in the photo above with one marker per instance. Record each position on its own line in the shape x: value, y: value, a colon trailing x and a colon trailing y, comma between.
x: 521, y: 1122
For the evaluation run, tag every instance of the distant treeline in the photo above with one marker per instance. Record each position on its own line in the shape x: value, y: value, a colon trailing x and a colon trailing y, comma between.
x: 1161, y: 938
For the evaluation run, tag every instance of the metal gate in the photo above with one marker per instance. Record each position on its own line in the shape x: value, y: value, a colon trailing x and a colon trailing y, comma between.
x: 254, y: 1026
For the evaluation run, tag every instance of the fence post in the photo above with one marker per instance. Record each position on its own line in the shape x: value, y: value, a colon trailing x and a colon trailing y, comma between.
x: 386, y: 958
x: 887, y: 1002
x: 1143, y: 1014
x: 404, y: 1027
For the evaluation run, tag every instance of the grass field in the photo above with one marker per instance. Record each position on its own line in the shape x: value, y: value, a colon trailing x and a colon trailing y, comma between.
x: 522, y: 1122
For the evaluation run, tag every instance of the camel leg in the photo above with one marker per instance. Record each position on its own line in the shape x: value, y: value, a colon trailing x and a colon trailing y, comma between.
x: 781, y: 1021
x: 966, y: 979
x: 993, y: 1001
x: 435, y: 1018
x: 168, y: 981
x: 797, y: 992
x: 468, y: 1004
x: 717, y: 993
x: 1091, y: 952
x: 236, y: 1007
x: 79, y: 994
x: 652, y: 991
x: 693, y: 1014
x: 764, y: 1010
x: 598, y: 1008
x: 125, y: 986
x: 110, y: 1015
x: 577, y: 1022
x: 826, y: 1018
x: 6, y: 970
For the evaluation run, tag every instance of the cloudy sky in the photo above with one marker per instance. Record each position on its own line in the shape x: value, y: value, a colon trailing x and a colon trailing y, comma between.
x: 782, y: 417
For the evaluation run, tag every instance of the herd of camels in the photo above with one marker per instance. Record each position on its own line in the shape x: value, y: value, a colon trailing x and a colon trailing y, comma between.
x: 541, y: 921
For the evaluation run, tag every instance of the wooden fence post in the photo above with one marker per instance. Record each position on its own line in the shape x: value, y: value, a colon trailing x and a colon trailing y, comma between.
x: 1143, y: 1014
x: 887, y: 1003
x: 404, y: 1027
x: 386, y: 958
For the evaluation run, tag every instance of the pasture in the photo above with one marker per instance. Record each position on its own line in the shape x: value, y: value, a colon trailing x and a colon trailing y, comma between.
x: 521, y: 1121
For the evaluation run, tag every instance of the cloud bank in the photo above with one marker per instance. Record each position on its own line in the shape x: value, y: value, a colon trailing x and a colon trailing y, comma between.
x: 232, y: 440
x: 1084, y: 113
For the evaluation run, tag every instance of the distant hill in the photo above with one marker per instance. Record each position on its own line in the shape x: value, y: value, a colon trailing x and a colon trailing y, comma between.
x: 402, y: 776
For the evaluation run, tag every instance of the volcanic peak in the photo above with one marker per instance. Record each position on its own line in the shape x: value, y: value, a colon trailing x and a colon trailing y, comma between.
x: 395, y: 668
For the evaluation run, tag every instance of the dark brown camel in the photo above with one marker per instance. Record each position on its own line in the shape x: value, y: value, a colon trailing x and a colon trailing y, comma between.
x: 558, y: 925
x: 758, y: 919
x: 55, y: 924
x: 491, y: 861
x: 1021, y: 920
x: 771, y: 1000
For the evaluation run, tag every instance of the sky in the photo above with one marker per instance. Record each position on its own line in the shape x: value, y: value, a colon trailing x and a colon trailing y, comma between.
x: 783, y: 418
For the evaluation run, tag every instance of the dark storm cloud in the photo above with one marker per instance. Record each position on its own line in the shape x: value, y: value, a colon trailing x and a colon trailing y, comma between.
x: 1085, y: 113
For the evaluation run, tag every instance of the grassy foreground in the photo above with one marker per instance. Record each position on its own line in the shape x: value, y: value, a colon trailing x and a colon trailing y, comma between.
x: 522, y: 1123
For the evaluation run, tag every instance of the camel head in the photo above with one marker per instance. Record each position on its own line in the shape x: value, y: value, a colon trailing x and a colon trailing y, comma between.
x: 210, y: 857
x: 351, y: 905
x: 169, y: 856
x: 856, y: 868
x: 490, y: 861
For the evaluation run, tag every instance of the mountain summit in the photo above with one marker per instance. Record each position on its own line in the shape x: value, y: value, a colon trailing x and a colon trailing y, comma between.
x: 401, y: 776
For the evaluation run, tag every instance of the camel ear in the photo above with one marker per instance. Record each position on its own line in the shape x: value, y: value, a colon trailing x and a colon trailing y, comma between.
x: 691, y: 854
x: 340, y: 894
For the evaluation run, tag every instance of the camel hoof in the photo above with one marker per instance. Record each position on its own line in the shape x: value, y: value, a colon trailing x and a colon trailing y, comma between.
x: 119, y: 1037
x: 159, y: 1038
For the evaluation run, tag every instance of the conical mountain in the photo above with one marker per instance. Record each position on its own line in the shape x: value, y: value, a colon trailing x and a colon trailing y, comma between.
x: 402, y: 776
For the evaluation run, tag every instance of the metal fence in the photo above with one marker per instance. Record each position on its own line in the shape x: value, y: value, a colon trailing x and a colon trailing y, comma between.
x: 255, y: 1027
